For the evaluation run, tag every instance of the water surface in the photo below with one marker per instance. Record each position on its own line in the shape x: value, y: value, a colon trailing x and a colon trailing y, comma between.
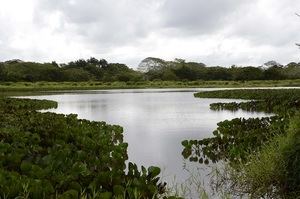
x: 155, y: 121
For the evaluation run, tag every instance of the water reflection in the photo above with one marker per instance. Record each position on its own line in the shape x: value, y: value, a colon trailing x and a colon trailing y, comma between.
x: 155, y: 121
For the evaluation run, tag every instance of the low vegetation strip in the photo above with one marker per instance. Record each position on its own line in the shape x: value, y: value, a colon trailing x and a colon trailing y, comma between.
x: 252, y: 94
x: 263, y: 153
x: 88, y: 85
x: 48, y: 155
x: 280, y: 101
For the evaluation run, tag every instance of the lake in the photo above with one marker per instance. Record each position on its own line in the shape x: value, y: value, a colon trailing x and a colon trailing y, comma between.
x: 155, y: 122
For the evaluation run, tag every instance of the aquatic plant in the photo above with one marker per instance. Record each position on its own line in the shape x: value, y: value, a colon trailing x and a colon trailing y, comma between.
x: 233, y: 140
x: 263, y: 153
x: 48, y: 155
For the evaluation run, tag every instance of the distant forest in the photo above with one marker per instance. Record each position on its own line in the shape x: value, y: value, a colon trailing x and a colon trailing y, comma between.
x: 179, y: 70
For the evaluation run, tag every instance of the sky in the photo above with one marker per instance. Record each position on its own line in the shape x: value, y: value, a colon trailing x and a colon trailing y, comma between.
x: 214, y: 32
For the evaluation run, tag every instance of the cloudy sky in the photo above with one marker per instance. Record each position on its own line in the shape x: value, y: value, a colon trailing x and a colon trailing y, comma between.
x: 215, y: 32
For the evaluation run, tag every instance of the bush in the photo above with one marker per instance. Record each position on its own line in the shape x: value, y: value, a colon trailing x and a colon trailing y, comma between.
x: 274, y: 171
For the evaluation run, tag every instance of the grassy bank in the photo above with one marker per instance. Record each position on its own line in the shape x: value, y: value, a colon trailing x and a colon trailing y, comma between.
x: 93, y: 85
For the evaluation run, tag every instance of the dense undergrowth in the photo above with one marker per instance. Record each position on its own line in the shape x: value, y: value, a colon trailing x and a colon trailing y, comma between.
x: 263, y: 153
x: 48, y: 155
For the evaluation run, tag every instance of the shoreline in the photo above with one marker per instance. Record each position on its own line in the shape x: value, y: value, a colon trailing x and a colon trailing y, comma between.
x: 62, y: 86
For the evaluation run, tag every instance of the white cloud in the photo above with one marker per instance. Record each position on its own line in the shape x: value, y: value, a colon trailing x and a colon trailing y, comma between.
x: 214, y: 32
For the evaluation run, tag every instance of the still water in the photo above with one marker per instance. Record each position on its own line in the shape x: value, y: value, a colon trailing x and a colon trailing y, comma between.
x: 155, y: 121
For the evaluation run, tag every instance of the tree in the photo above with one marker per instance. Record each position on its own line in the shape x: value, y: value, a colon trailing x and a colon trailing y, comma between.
x: 81, y: 63
x: 292, y: 70
x: 247, y: 73
x: 103, y: 63
x: 169, y: 75
x: 76, y: 74
x: 185, y: 73
x: 93, y: 60
x: 274, y: 73
x: 54, y: 63
x: 178, y: 60
x: 2, y: 75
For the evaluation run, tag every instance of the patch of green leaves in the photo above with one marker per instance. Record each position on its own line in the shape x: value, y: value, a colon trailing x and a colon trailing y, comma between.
x: 55, y: 155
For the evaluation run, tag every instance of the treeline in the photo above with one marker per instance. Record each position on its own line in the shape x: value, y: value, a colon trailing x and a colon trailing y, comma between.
x: 81, y: 70
x: 191, y: 71
x: 100, y: 70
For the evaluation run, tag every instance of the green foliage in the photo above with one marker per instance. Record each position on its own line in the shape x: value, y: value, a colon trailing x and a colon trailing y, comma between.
x: 55, y: 155
x: 252, y: 94
x: 273, y: 171
x: 192, y: 71
x: 281, y: 101
x: 264, y: 153
x: 136, y: 82
x: 274, y: 72
x: 234, y: 140
x: 76, y: 74
x: 247, y: 73
x: 29, y: 71
x: 178, y: 70
x: 79, y: 70
x: 234, y: 106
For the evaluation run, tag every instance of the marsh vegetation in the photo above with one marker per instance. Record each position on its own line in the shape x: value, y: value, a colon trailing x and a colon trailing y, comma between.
x: 48, y: 155
x: 59, y: 156
x: 262, y: 153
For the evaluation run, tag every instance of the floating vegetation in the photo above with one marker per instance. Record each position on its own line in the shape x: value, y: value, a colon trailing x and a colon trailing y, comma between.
x: 60, y: 156
x: 263, y: 153
x: 233, y: 140
x: 279, y: 101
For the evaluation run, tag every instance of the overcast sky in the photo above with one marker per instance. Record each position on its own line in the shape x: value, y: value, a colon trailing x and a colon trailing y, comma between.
x: 215, y: 32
